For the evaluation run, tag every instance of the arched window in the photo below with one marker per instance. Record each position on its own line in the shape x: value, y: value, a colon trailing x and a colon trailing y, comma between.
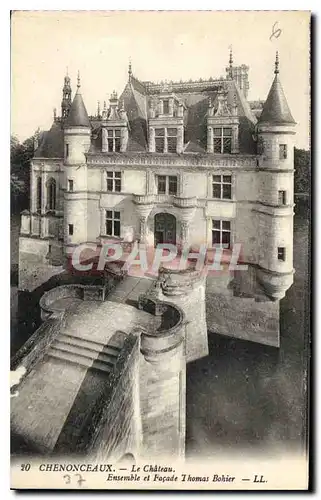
x: 39, y: 194
x: 51, y: 194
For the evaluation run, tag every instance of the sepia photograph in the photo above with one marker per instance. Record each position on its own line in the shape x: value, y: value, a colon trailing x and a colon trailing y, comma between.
x: 160, y: 250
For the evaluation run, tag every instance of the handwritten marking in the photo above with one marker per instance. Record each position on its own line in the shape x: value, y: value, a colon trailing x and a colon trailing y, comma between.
x: 276, y: 32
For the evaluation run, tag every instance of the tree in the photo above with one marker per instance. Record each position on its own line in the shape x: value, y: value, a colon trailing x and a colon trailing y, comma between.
x: 20, y: 156
x: 302, y: 175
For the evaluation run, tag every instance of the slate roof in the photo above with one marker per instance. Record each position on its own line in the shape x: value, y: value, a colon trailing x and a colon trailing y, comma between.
x: 276, y: 110
x: 136, y: 98
x: 51, y: 143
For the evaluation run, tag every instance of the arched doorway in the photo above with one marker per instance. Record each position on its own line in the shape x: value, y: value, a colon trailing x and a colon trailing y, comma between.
x: 164, y: 229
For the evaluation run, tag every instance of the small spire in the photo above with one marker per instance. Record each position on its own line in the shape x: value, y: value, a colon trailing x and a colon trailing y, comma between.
x: 67, y: 71
x: 276, y: 70
x: 231, y: 57
x: 98, y: 109
x: 55, y: 113
x: 78, y: 81
x: 130, y: 73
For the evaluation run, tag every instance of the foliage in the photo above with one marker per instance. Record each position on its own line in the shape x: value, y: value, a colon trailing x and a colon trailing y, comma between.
x: 302, y: 175
x: 20, y: 156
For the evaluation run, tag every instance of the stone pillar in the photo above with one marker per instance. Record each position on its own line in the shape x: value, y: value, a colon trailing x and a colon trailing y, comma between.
x: 151, y: 140
x: 210, y: 140
x: 102, y: 222
x: 235, y: 139
x: 186, y: 289
x: 171, y: 106
x: 43, y: 193
x: 143, y: 211
x: 104, y: 140
x: 123, y: 139
x: 44, y: 227
x: 149, y: 182
x: 184, y: 233
x: 103, y: 181
x: 180, y: 139
x: 142, y: 228
x: 33, y: 197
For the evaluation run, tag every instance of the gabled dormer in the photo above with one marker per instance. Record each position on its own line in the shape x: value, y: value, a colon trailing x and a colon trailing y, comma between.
x: 222, y: 125
x: 114, y: 127
x: 166, y: 122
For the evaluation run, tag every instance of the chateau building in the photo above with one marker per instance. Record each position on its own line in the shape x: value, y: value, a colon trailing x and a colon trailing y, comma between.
x: 190, y: 163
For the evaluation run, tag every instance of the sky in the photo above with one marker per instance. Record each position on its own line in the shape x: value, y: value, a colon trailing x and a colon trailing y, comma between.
x: 162, y: 46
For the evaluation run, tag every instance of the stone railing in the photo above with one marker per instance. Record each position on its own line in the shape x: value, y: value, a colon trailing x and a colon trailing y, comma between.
x: 151, y: 199
x: 82, y: 292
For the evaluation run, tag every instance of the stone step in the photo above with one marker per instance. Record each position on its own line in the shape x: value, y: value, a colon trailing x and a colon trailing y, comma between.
x: 91, y: 344
x: 85, y: 351
x: 88, y: 344
x: 79, y: 359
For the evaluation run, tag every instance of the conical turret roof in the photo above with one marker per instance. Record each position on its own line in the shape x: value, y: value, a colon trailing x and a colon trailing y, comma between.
x: 276, y: 109
x: 77, y: 116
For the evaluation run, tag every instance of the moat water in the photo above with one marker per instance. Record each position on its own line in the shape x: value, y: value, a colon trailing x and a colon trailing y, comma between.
x: 243, y: 396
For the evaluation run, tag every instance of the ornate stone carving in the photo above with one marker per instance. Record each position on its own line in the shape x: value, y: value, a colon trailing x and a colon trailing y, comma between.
x: 170, y: 160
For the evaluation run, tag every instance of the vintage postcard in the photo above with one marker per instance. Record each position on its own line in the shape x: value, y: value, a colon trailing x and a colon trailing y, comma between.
x: 160, y: 226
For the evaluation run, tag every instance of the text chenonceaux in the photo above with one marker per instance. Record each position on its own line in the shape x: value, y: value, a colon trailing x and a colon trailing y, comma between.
x: 147, y: 472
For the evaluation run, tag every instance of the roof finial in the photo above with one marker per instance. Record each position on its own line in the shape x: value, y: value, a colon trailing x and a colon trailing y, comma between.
x: 130, y: 73
x: 231, y: 56
x: 276, y: 70
x: 67, y: 71
x: 230, y: 68
x: 78, y: 80
x: 98, y: 109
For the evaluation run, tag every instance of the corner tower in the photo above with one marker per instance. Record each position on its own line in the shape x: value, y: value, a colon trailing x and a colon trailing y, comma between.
x: 77, y: 132
x: 275, y: 198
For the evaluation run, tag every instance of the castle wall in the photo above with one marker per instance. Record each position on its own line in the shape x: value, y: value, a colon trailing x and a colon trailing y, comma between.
x: 119, y: 431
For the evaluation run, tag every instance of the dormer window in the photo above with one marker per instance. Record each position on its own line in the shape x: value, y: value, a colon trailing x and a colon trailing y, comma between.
x: 166, y: 140
x: 222, y: 140
x: 113, y: 140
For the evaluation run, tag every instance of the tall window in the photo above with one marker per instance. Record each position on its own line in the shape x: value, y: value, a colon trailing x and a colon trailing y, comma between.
x: 51, y: 194
x: 281, y: 253
x: 70, y: 229
x: 113, y: 140
x: 112, y: 223
x: 39, y: 194
x: 222, y: 140
x: 222, y: 187
x: 283, y: 151
x: 221, y: 232
x: 166, y: 140
x: 114, y: 182
x: 282, y: 197
x: 67, y: 150
x: 167, y: 184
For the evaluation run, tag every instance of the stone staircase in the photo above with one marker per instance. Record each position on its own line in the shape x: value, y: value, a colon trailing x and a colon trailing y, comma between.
x: 84, y: 352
